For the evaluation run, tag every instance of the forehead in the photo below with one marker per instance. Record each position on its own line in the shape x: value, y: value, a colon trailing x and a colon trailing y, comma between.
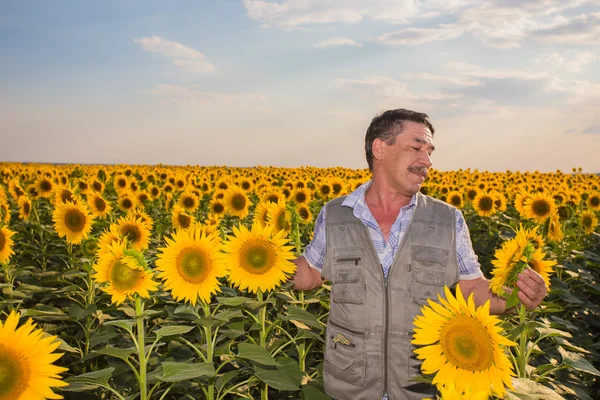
x: 414, y: 131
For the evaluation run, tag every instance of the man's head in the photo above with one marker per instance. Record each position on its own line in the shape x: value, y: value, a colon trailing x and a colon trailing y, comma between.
x: 398, y: 147
x: 389, y: 124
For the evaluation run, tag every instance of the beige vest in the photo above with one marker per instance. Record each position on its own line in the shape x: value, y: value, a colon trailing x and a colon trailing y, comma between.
x: 370, y: 325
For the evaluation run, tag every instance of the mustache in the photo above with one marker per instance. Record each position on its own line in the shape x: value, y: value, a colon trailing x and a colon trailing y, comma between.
x: 418, y: 169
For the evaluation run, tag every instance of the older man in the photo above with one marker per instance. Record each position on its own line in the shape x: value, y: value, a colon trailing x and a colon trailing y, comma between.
x: 386, y: 249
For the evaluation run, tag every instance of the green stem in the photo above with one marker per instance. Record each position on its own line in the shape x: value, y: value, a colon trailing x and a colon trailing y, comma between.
x: 141, y: 331
x: 264, y: 389
x: 522, y: 342
x: 209, y: 352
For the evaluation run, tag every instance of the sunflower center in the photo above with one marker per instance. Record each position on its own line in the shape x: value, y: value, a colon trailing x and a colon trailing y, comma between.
x: 245, y: 185
x: 238, y: 202
x: 184, y: 220
x: 124, y: 278
x: 541, y: 208
x: 100, y: 204
x: 486, y: 203
x: 26, y: 208
x: 303, y: 212
x: 66, y: 196
x: 14, y: 375
x: 300, y: 197
x: 467, y: 344
x: 218, y: 208
x: 455, y: 200
x: 132, y: 232
x: 586, y: 221
x: 97, y: 186
x: 325, y: 189
x: 154, y: 192
x: 273, y: 198
x: 193, y: 265
x: 127, y: 203
x: 75, y: 220
x: 595, y: 201
x: 2, y: 240
x: 258, y: 257
x: 45, y: 186
x: 189, y: 202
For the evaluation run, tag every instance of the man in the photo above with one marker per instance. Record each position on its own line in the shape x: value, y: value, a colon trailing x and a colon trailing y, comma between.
x: 387, y: 248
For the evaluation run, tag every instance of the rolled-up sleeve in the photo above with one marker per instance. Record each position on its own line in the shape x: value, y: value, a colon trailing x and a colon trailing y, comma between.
x: 315, y: 251
x: 468, y: 263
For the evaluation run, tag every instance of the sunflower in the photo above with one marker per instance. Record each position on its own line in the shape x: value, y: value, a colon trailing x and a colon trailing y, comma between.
x: 26, y: 357
x: 484, y: 204
x: 236, y: 202
x: 189, y: 201
x: 455, y: 198
x: 520, y: 200
x: 121, y: 183
x: 141, y: 197
x: 98, y: 205
x: 191, y: 265
x: 72, y: 221
x: 126, y: 201
x: 124, y: 273
x: 499, y: 200
x: 108, y: 237
x: 259, y: 259
x: 539, y: 206
x: 24, y: 207
x: 555, y: 233
x: 63, y: 194
x: 564, y: 213
x: 301, y: 197
x: 97, y: 186
x: 279, y: 216
x: 523, y: 248
x: 217, y: 207
x: 180, y: 219
x: 4, y: 213
x: 6, y: 244
x: 135, y: 231
x: 272, y: 196
x: 304, y: 214
x: 593, y: 201
x: 45, y: 187
x: 588, y: 221
x: 153, y: 191
x: 463, y: 345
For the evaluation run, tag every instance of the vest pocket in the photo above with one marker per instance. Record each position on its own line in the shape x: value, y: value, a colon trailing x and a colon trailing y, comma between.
x: 348, y: 286
x: 425, y: 284
x: 427, y: 255
x: 345, y: 357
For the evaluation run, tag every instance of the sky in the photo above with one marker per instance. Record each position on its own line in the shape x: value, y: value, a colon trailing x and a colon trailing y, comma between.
x: 508, y: 85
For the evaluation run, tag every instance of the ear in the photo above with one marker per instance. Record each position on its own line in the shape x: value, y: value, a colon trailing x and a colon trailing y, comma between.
x: 378, y: 149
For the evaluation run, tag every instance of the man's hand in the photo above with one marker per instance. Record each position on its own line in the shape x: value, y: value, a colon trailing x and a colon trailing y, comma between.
x: 532, y: 288
x: 305, y: 278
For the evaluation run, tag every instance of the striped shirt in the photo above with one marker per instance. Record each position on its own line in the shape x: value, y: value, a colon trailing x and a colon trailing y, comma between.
x: 469, y: 267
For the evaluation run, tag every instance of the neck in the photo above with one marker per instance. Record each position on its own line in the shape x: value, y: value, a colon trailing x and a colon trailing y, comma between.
x: 381, y: 195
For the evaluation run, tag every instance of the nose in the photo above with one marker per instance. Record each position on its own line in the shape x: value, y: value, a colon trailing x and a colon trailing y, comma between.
x: 426, y: 159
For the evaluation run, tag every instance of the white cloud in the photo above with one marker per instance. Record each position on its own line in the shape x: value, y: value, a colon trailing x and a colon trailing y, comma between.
x: 443, y: 79
x: 383, y: 87
x: 570, y: 61
x: 194, y: 66
x: 337, y: 41
x: 417, y: 36
x: 295, y: 13
x: 186, y: 58
x: 193, y: 96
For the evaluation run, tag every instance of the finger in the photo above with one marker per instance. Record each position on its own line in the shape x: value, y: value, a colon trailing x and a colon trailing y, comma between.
x: 533, y: 275
x: 527, y: 294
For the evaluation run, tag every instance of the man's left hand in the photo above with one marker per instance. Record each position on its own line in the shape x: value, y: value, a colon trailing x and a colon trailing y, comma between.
x: 532, y: 288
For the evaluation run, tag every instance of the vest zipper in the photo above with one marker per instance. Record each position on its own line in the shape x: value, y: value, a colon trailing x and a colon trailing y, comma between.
x: 385, y: 335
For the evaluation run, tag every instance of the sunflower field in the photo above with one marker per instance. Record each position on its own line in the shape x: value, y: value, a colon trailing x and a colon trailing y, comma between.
x: 159, y: 282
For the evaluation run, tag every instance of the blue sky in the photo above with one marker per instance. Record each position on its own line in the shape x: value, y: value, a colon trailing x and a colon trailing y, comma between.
x: 507, y: 84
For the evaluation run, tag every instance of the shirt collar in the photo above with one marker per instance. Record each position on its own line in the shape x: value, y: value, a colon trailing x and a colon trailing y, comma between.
x: 358, y: 197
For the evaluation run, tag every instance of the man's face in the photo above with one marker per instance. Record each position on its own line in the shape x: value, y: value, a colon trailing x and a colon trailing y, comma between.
x: 406, y: 162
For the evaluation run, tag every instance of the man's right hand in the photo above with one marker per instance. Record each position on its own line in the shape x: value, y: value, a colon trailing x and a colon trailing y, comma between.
x: 306, y: 278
